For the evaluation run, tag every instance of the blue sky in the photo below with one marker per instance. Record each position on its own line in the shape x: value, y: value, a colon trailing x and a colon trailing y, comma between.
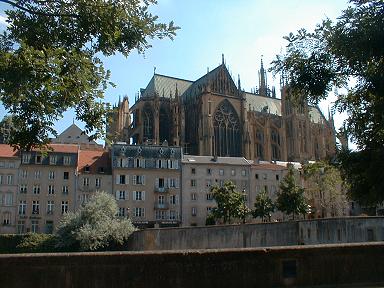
x: 242, y: 30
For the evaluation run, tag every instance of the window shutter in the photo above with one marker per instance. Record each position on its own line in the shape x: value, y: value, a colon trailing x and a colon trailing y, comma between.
x: 176, y: 164
x: 177, y: 199
x: 134, y: 180
x: 143, y: 195
x: 127, y: 179
x: 117, y: 195
x: 157, y: 183
x: 176, y: 182
x: 134, y: 195
x: 143, y: 179
x: 117, y: 179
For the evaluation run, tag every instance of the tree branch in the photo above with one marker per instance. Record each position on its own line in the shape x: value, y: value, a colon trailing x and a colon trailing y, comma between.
x: 14, y: 4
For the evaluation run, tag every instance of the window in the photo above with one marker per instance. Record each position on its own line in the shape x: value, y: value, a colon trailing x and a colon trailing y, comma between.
x: 277, y: 177
x: 209, y: 209
x: 64, y: 207
x: 257, y: 176
x: 209, y: 196
x: 50, y: 206
x: 37, y: 174
x: 1, y: 179
x: 20, y: 227
x: 161, y: 183
x: 193, y: 170
x: 173, y: 183
x: 233, y: 172
x: 209, y: 183
x: 67, y: 160
x: 139, y: 212
x: 138, y: 195
x: 35, y: 207
x: 265, y: 176
x: 65, y: 190
x: 8, y: 201
x: 51, y: 189
x: 51, y: 175
x: 194, y: 211
x: 161, y: 215
x: 9, y: 179
x: 52, y: 159
x: 209, y: 108
x: 121, y: 179
x: 38, y: 159
x: 221, y: 183
x: 86, y: 169
x: 172, y: 215
x: 26, y: 157
x: 209, y: 171
x: 193, y: 197
x: 221, y: 172
x: 23, y: 188
x: 97, y: 182
x: 120, y: 195
x: 243, y: 172
x: 23, y: 173
x: 36, y: 189
x: 34, y: 226
x: 49, y: 226
x: 121, y: 212
x: 138, y: 179
x: 22, y: 207
x: 193, y: 183
x: 86, y: 181
x: 66, y: 175
x: 173, y: 200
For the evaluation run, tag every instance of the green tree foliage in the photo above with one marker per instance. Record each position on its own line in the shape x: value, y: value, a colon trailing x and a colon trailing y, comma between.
x: 346, y: 54
x: 290, y: 199
x: 230, y: 203
x: 263, y: 206
x: 94, y: 226
x: 6, y: 129
x: 325, y: 187
x: 49, y: 59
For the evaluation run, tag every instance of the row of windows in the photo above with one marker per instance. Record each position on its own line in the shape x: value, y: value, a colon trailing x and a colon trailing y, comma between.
x: 35, y: 204
x: 210, y: 171
x: 37, y: 174
x: 140, y: 196
x: 35, y: 227
x: 36, y: 189
x: 194, y: 210
x: 53, y: 159
x: 147, y: 163
x: 7, y: 164
x: 220, y: 183
x: 6, y: 179
x: 140, y: 180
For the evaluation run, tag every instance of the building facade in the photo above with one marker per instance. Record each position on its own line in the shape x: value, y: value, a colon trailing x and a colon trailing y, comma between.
x: 147, y: 183
x: 213, y: 116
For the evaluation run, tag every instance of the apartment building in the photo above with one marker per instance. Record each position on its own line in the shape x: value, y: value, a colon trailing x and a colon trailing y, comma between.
x: 147, y: 183
x: 9, y: 165
x: 94, y: 174
x: 199, y: 174
x: 47, y: 187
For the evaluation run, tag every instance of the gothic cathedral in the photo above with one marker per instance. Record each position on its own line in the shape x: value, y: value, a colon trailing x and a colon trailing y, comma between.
x: 214, y: 116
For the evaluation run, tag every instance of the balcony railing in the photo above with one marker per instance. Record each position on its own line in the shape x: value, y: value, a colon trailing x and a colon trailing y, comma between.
x: 162, y: 189
x: 161, y: 205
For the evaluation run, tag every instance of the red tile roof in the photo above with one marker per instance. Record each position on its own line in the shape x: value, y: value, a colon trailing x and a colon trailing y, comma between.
x: 62, y: 148
x: 95, y: 159
x: 268, y: 166
x: 7, y: 151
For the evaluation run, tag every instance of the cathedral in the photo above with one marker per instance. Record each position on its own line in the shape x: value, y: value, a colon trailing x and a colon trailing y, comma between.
x: 214, y: 116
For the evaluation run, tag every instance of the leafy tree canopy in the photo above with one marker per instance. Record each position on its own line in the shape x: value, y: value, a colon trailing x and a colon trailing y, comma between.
x: 264, y: 206
x: 230, y: 203
x: 94, y: 226
x: 290, y: 199
x: 346, y: 54
x: 49, y: 59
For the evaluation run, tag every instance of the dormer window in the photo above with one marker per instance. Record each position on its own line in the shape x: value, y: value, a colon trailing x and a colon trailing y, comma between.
x: 87, y: 169
x: 38, y: 159
x: 52, y: 159
x: 101, y: 169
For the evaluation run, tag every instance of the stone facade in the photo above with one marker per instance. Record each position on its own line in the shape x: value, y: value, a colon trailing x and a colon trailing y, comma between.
x: 214, y: 116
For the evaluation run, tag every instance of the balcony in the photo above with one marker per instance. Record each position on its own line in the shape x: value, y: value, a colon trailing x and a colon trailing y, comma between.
x: 162, y: 189
x: 159, y: 205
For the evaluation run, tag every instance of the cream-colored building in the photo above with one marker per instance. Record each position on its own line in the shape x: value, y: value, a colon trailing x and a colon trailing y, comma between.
x: 147, y: 183
x: 47, y: 187
x: 9, y: 164
x: 199, y: 174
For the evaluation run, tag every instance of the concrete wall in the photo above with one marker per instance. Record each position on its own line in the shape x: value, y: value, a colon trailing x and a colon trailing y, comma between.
x: 319, y: 231
x: 253, y: 267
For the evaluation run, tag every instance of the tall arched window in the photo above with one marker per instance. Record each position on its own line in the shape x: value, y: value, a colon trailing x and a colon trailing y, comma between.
x: 259, y: 144
x: 147, y: 123
x: 275, y: 142
x: 165, y: 124
x: 227, y: 130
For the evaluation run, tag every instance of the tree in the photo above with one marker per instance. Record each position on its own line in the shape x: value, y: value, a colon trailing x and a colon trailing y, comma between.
x: 94, y: 226
x: 6, y: 129
x: 325, y: 187
x: 49, y: 59
x: 230, y: 203
x: 264, y: 206
x: 290, y: 199
x: 329, y: 58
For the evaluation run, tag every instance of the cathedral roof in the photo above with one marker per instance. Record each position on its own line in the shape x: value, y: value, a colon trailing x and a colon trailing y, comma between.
x: 192, y: 159
x: 165, y: 86
x: 263, y: 103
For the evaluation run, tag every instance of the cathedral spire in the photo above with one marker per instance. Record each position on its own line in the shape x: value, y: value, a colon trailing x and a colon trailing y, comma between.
x: 262, y: 79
